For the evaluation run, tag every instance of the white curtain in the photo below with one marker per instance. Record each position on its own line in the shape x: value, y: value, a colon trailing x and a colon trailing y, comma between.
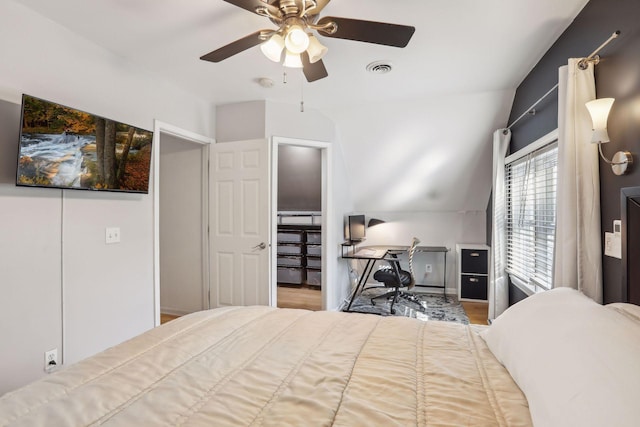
x: 578, y: 250
x: 498, y: 281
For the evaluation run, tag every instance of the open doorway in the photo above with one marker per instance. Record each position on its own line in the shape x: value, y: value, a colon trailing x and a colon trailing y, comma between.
x: 181, y: 217
x: 299, y: 203
x: 184, y: 284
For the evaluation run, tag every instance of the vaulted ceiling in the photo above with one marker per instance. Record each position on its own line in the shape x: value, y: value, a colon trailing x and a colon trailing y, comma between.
x: 420, y: 135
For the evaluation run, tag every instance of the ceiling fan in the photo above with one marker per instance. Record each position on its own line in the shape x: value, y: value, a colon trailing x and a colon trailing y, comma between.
x: 293, y: 42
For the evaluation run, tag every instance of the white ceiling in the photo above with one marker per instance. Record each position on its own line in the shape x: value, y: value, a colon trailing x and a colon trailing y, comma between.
x: 421, y: 132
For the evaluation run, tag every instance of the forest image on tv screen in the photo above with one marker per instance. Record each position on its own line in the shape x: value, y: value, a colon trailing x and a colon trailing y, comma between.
x: 63, y: 147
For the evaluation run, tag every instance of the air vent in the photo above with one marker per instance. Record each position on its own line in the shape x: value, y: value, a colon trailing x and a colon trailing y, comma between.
x: 379, y: 67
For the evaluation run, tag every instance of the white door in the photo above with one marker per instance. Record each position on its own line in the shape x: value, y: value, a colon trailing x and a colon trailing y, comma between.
x: 240, y: 218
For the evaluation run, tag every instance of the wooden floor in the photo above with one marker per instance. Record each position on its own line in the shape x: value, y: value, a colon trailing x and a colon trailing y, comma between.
x: 300, y: 297
x: 311, y: 299
x: 164, y: 318
x: 477, y: 312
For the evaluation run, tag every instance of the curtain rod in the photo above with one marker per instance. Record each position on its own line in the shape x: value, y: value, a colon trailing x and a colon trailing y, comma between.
x: 531, y: 110
x: 583, y: 64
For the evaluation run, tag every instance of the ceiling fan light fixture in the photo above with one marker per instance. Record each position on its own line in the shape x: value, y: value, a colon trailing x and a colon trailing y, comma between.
x: 292, y: 60
x: 316, y: 50
x: 272, y: 48
x: 296, y: 39
x: 296, y: 20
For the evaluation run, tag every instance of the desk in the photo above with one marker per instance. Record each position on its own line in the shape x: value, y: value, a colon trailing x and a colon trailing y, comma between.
x: 376, y: 253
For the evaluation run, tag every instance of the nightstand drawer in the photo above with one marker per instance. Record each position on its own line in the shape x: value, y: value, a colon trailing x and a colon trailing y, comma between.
x: 474, y: 261
x: 473, y: 287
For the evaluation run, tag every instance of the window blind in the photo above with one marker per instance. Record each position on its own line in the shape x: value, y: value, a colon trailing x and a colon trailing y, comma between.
x: 530, y: 183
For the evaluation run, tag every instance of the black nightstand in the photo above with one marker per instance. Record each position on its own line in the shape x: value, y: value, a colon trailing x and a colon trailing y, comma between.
x: 473, y: 272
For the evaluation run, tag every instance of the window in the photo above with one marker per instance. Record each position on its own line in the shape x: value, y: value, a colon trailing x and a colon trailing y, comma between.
x: 530, y: 184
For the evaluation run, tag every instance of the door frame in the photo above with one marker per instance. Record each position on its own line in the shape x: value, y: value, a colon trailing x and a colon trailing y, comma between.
x: 166, y: 128
x: 327, y: 222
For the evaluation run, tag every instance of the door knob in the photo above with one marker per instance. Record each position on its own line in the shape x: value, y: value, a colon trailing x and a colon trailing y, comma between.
x: 261, y: 246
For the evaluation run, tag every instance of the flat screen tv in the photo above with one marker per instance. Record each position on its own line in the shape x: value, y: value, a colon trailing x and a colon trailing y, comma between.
x: 61, y: 147
x: 356, y: 228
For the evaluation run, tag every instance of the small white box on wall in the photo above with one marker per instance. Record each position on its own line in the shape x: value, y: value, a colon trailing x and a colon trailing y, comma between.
x: 612, y: 241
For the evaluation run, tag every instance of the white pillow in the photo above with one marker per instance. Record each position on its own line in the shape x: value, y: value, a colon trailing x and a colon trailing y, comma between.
x: 577, y: 362
x: 629, y: 310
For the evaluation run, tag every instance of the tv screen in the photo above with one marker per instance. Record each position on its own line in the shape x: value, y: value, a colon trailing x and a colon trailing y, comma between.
x: 356, y: 228
x: 61, y: 147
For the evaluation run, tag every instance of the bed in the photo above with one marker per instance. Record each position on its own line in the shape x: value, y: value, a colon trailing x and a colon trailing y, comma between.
x: 242, y: 366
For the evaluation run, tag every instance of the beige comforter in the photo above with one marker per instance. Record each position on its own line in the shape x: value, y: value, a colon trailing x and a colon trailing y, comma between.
x: 277, y: 367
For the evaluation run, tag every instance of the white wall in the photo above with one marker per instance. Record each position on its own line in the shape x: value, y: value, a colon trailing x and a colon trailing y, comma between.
x: 30, y: 305
x: 240, y: 122
x: 181, y: 226
x: 51, y: 241
x: 287, y: 120
x: 342, y: 204
x: 108, y: 289
x: 427, y: 154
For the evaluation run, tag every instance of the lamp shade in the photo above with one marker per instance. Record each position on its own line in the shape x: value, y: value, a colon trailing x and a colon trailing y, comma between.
x: 374, y: 221
x: 292, y: 60
x: 599, y: 110
x: 315, y: 50
x: 272, y: 48
x: 296, y: 40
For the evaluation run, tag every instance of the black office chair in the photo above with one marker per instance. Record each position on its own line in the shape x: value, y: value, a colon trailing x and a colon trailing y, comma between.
x: 392, y: 276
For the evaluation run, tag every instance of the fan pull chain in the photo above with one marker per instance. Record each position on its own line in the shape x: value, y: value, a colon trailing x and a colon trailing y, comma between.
x: 302, y: 95
x: 284, y: 77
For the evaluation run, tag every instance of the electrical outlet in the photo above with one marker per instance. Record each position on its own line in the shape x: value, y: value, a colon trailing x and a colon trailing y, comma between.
x: 112, y: 235
x: 50, y: 360
x: 428, y: 268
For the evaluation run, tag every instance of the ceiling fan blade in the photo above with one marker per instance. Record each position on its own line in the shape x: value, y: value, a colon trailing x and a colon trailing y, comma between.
x: 369, y: 31
x: 252, y: 5
x: 315, y: 71
x: 233, y: 48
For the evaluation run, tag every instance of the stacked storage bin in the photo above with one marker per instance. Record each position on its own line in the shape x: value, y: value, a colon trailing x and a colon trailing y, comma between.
x: 314, y: 260
x: 299, y: 256
x: 290, y: 256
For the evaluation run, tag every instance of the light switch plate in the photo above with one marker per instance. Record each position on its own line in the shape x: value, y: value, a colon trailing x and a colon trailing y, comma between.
x: 112, y: 235
x: 612, y: 245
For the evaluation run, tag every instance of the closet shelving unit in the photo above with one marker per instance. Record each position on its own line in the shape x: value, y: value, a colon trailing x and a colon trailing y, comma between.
x: 299, y: 249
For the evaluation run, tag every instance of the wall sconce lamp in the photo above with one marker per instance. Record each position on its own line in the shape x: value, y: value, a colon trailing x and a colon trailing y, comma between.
x: 374, y: 221
x: 599, y: 110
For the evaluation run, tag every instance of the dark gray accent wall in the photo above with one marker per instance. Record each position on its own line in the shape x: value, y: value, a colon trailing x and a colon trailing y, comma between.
x: 515, y: 295
x: 299, y: 178
x: 617, y: 76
